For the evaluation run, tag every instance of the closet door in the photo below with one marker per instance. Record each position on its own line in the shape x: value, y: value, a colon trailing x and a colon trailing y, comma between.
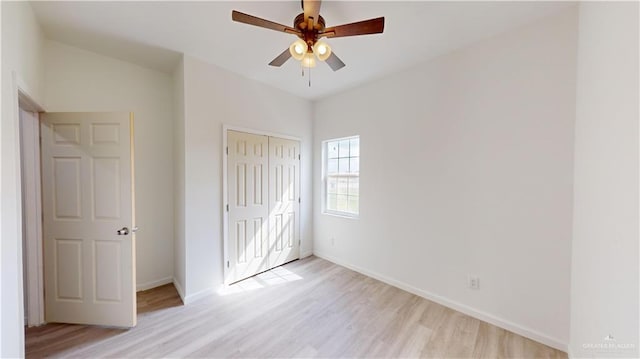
x: 247, y: 169
x: 284, y: 206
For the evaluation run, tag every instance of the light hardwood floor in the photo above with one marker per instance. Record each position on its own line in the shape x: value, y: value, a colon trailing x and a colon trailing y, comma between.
x: 307, y: 308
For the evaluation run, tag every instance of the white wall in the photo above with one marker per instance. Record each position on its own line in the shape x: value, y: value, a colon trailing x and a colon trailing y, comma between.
x: 214, y: 97
x: 22, y: 42
x: 179, y: 256
x: 466, y: 168
x: 79, y: 80
x: 604, y: 285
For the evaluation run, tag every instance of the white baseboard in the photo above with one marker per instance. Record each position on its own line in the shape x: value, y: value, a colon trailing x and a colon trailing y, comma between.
x: 195, y: 296
x: 179, y: 289
x: 153, y: 284
x: 306, y: 254
x: 489, y: 318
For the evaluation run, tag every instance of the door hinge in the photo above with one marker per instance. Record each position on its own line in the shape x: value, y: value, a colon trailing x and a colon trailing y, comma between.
x: 227, y: 208
x: 227, y: 264
x: 299, y: 200
x: 299, y: 242
x: 298, y: 157
x: 227, y: 150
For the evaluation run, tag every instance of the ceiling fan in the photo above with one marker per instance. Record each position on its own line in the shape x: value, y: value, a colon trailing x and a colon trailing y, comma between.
x: 310, y: 28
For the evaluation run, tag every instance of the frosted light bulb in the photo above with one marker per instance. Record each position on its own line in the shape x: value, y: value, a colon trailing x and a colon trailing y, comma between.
x: 322, y: 50
x: 309, y: 60
x: 298, y: 49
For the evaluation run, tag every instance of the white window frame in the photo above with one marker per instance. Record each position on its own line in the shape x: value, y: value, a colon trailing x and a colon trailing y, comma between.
x: 325, y: 194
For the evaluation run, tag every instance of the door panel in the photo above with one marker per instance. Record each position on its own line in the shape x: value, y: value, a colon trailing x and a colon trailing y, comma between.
x: 284, y: 192
x: 68, y: 266
x: 87, y: 188
x: 247, y: 168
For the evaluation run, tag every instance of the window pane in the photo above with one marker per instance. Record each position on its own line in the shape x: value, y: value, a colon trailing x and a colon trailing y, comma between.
x: 332, y: 166
x: 354, y: 186
x: 332, y: 185
x: 332, y: 202
x: 344, y: 148
x: 353, y: 204
x: 343, y: 203
x: 343, y: 186
x: 355, y: 147
x: 354, y: 165
x: 343, y: 166
x: 342, y: 169
x: 332, y: 149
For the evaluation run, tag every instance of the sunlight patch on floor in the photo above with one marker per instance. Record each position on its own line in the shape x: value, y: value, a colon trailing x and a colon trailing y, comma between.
x: 273, y: 277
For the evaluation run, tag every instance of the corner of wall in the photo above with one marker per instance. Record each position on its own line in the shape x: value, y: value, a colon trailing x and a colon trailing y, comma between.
x: 604, y: 263
x: 179, y: 256
x: 22, y: 67
x: 178, y: 285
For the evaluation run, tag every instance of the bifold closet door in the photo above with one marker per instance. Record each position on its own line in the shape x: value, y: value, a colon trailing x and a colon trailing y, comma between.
x: 248, y: 236
x: 263, y: 184
x: 284, y: 201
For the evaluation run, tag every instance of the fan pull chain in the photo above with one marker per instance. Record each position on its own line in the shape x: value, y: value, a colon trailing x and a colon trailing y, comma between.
x: 308, y: 72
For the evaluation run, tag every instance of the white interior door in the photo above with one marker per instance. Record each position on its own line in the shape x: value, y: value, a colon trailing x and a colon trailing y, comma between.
x: 87, y: 188
x: 284, y: 197
x: 247, y: 168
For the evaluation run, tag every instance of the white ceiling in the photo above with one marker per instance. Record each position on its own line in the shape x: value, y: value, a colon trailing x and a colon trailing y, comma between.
x: 153, y: 34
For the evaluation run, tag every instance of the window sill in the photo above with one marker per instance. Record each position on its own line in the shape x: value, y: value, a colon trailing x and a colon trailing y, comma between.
x: 341, y: 215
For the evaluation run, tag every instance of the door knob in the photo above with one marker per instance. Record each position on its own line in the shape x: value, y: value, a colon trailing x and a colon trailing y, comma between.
x: 123, y: 232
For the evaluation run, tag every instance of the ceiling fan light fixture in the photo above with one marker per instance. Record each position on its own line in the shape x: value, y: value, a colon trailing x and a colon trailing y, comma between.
x: 298, y: 49
x: 309, y: 27
x: 322, y: 50
x: 308, y: 60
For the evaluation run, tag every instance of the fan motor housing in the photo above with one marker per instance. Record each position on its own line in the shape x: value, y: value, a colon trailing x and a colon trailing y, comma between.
x: 309, y: 35
x: 299, y: 23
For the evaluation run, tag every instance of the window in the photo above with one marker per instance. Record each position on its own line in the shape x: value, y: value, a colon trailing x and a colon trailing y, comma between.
x: 342, y: 176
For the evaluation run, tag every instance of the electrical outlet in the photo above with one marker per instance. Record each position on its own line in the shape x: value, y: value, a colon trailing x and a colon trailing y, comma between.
x: 473, y: 282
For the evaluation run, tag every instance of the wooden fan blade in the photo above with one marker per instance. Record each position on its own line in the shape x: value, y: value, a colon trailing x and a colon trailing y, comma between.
x: 366, y: 27
x: 311, y: 8
x: 334, y: 62
x: 281, y: 59
x: 256, y: 21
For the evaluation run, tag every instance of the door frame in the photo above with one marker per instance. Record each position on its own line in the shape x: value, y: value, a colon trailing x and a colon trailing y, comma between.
x: 33, y: 210
x: 225, y: 194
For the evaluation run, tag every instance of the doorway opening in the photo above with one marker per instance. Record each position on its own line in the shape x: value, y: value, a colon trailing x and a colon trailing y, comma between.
x: 32, y: 261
